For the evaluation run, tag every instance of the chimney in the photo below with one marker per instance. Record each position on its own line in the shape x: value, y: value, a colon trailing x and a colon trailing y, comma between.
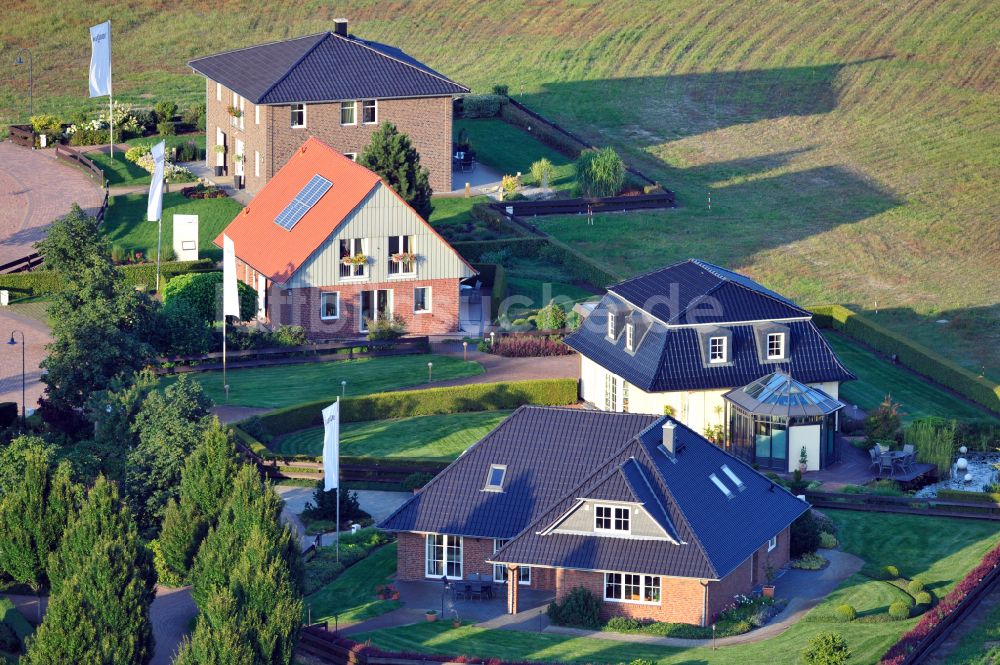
x: 340, y: 26
x: 669, y: 445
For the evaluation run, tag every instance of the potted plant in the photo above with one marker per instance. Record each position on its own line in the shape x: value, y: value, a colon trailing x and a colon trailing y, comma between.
x: 770, y: 573
x: 404, y: 257
x: 456, y: 622
x: 356, y: 260
x: 803, y: 460
x: 234, y: 112
x: 220, y: 166
x: 431, y: 615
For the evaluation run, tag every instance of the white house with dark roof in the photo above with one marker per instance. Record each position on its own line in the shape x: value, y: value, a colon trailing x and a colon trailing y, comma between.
x: 679, y: 339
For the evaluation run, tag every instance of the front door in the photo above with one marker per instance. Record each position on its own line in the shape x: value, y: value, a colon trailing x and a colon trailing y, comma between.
x: 376, y: 305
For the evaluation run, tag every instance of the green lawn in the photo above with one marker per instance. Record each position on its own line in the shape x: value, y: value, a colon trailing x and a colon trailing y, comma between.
x: 172, y: 141
x: 127, y: 228
x: 352, y: 595
x: 981, y: 645
x: 510, y: 149
x: 878, y: 377
x: 285, y: 385
x: 119, y: 171
x: 454, y: 209
x: 442, y: 437
x: 938, y: 550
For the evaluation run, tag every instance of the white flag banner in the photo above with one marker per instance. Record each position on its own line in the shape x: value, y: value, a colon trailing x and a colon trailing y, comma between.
x: 100, y: 60
x: 230, y: 294
x: 331, y: 447
x: 154, y: 206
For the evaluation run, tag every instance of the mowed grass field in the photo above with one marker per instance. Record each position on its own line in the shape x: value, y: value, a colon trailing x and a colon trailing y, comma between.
x: 442, y: 437
x: 851, y: 148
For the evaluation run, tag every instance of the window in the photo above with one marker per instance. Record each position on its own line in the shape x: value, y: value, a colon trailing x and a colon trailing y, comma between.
x: 329, y: 305
x: 375, y: 305
x: 632, y: 588
x: 624, y: 396
x: 717, y: 350
x: 353, y: 156
x: 612, y: 518
x: 721, y: 485
x: 369, y: 111
x: 402, y: 260
x: 775, y: 346
x: 443, y: 556
x: 630, y: 336
x: 256, y: 114
x: 422, y: 300
x: 218, y: 92
x: 351, y: 254
x: 500, y: 570
x: 611, y: 393
x: 256, y: 163
x: 494, y: 478
x: 242, y: 114
x: 772, y: 543
x: 611, y: 325
x: 298, y: 115
x: 347, y: 110
x: 733, y: 477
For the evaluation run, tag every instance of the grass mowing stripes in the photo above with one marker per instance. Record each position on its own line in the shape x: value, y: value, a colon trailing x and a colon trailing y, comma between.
x: 352, y: 595
x: 442, y: 437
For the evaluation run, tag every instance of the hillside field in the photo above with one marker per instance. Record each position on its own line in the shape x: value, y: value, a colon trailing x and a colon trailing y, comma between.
x: 851, y: 148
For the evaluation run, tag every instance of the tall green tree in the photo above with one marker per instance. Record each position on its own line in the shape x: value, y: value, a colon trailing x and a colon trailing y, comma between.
x: 221, y: 635
x: 169, y: 426
x: 71, y: 243
x: 14, y: 459
x: 112, y: 413
x: 103, y: 583
x: 391, y: 155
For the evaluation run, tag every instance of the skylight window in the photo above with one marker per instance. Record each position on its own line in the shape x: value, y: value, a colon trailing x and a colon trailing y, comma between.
x: 733, y: 477
x: 721, y: 485
x: 495, y: 477
x: 303, y: 202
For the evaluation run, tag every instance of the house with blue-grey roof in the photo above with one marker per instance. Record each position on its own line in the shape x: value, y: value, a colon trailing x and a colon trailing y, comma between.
x: 692, y: 340
x: 655, y: 520
x: 264, y: 101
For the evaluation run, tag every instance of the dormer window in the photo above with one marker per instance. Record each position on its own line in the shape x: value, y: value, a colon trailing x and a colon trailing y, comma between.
x: 495, y: 477
x: 630, y: 336
x: 775, y: 346
x: 717, y: 350
x: 611, y: 325
x: 612, y: 519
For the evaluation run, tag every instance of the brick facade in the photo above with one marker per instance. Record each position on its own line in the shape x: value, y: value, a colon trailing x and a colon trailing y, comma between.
x: 682, y: 600
x: 427, y: 121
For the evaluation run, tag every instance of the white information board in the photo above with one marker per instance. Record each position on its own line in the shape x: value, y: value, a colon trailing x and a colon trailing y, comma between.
x: 186, y: 237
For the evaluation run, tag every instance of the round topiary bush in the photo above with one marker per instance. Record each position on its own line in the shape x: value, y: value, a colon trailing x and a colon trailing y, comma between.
x: 924, y: 598
x: 899, y: 610
x: 846, y: 613
x: 914, y: 587
x: 827, y: 541
x: 891, y: 572
x: 827, y: 649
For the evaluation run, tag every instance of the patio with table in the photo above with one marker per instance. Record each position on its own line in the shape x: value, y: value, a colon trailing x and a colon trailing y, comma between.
x: 901, y: 465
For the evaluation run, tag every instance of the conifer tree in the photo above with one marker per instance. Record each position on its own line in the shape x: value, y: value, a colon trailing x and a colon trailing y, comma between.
x: 392, y: 155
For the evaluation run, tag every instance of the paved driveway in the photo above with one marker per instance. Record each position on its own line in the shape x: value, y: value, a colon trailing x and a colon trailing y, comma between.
x: 36, y: 334
x: 35, y: 189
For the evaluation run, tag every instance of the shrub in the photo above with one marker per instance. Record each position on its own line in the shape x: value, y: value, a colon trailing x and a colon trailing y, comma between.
x: 165, y: 111
x: 826, y: 649
x: 501, y: 90
x: 891, y: 572
x: 934, y: 440
x: 846, y: 612
x: 135, y: 152
x: 551, y: 317
x: 187, y: 152
x: 914, y: 587
x: 623, y: 624
x: 144, y: 119
x: 884, y: 424
x: 391, y: 328
x: 510, y: 184
x: 481, y: 106
x: 415, y: 481
x: 195, y: 115
x: 49, y: 125
x: 256, y: 428
x: 899, y: 610
x: 203, y: 292
x: 523, y: 346
x: 924, y: 599
x: 805, y: 537
x: 541, y: 172
x: 325, y: 506
x: 827, y: 541
x: 290, y: 336
x: 579, y: 608
x: 809, y: 561
x: 9, y: 641
x: 600, y: 173
x: 166, y: 128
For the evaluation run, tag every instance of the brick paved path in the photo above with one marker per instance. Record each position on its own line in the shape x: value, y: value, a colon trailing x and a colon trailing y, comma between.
x: 35, y: 189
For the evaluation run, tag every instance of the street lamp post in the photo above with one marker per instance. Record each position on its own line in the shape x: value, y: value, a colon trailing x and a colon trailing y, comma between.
x: 12, y: 342
x: 430, y: 368
x: 18, y: 60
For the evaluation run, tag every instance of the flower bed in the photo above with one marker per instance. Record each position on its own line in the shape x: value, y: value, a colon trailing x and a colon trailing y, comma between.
x: 898, y: 653
x: 744, y: 615
x: 523, y: 346
x: 200, y: 191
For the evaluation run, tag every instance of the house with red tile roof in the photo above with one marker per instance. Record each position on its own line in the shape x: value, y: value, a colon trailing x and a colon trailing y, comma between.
x: 330, y: 247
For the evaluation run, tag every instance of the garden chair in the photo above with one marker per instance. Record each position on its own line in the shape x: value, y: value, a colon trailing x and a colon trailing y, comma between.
x: 874, y: 453
x: 885, y: 462
x: 911, y: 456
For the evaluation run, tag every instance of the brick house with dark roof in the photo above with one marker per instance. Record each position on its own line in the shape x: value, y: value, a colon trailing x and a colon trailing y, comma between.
x: 329, y: 246
x: 264, y: 101
x: 654, y: 519
x: 679, y: 339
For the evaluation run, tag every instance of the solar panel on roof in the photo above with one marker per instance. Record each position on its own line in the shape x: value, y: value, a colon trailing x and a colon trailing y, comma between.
x: 307, y: 197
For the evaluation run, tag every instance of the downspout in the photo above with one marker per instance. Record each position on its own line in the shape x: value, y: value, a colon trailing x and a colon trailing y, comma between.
x: 704, y: 610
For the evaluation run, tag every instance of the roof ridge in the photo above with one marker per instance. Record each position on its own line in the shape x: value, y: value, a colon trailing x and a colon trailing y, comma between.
x: 361, y: 42
x: 642, y: 474
x: 292, y: 67
x: 252, y: 46
x: 645, y: 274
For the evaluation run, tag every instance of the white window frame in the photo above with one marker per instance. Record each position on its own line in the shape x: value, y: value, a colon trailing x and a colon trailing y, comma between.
x: 446, y: 542
x: 218, y: 91
x: 610, y: 392
x: 427, y: 300
x: 322, y: 309
x: 646, y: 583
x: 344, y: 105
x: 500, y: 570
x: 256, y: 163
x: 723, y: 343
x: 243, y: 115
x: 780, y: 339
x: 256, y: 114
x: 353, y: 156
x: 630, y: 336
x: 490, y: 485
x: 772, y: 543
x: 611, y: 325
x: 355, y: 273
x: 363, y: 121
x: 399, y: 267
x: 292, y: 111
x: 617, y: 514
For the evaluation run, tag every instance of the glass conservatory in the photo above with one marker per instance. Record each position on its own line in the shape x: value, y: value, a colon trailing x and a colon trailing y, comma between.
x: 775, y: 420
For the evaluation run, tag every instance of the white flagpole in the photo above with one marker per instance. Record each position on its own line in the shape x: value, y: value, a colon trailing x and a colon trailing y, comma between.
x: 225, y: 384
x: 338, y: 480
x: 111, y: 104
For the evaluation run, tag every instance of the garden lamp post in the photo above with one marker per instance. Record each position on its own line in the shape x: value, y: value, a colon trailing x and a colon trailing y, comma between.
x: 13, y: 342
x: 430, y: 368
x: 18, y: 60
x: 493, y: 338
x: 465, y: 351
x: 343, y: 387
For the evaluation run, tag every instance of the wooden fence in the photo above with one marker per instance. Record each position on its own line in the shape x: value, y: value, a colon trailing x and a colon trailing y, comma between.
x: 664, y: 199
x: 905, y: 504
x: 76, y: 158
x: 22, y: 135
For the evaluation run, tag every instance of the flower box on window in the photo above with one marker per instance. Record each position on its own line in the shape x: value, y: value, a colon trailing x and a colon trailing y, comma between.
x: 234, y: 112
x: 404, y: 257
x: 356, y: 260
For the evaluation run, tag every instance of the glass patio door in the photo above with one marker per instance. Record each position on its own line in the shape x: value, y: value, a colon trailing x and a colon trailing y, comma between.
x: 376, y: 305
x: 771, y: 444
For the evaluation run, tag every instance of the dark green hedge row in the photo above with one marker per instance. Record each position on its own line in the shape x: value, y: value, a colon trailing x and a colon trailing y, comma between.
x: 577, y: 266
x: 428, y: 402
x: 915, y: 356
x: 521, y: 247
x: 975, y: 497
x: 46, y: 282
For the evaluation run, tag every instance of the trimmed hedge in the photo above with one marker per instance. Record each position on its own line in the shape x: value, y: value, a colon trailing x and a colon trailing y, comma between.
x: 915, y: 356
x: 428, y: 402
x: 46, y: 282
x: 578, y: 266
x: 961, y: 495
